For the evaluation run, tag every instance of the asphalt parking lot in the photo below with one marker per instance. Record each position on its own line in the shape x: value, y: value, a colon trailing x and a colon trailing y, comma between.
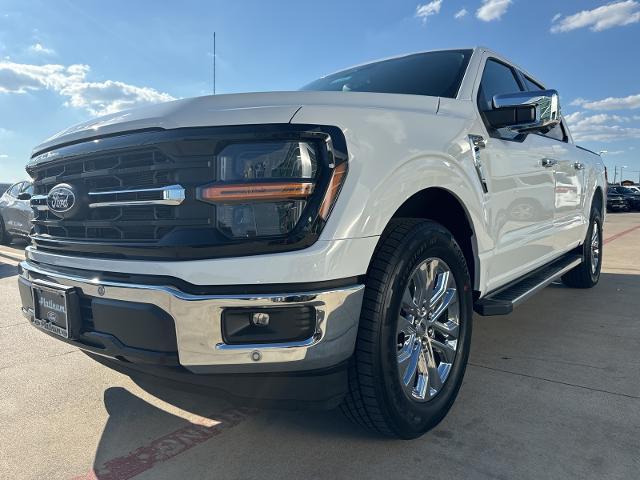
x: 551, y: 391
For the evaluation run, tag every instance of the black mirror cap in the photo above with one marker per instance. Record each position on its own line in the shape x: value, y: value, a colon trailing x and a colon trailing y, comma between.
x: 511, y: 116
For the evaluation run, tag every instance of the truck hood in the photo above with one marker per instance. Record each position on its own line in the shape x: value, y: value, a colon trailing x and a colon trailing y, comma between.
x: 233, y: 109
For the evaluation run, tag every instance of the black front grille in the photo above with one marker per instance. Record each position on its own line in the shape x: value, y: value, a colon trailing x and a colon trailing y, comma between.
x: 124, y: 169
x: 153, y: 159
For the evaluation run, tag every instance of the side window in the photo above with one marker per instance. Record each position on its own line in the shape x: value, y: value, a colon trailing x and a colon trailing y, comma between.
x: 557, y: 132
x: 15, y: 190
x: 497, y: 79
x: 27, y: 188
x: 531, y: 85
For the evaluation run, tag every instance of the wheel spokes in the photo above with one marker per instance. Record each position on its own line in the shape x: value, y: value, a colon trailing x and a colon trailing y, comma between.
x: 446, y: 350
x: 412, y: 367
x: 406, y: 350
x: 449, y: 328
x: 409, y: 304
x: 427, y: 329
x: 449, y: 297
x: 440, y: 289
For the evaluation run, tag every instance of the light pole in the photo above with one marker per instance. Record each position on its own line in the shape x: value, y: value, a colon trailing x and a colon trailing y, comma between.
x: 615, y: 171
x: 603, y: 153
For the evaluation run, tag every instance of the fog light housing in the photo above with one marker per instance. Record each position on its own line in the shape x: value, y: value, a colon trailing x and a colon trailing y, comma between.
x: 268, y: 325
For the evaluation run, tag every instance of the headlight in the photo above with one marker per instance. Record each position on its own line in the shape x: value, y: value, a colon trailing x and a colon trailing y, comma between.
x: 263, y: 189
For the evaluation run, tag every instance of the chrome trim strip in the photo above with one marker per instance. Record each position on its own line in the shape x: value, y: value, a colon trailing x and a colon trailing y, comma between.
x: 478, y: 143
x: 171, y: 195
x: 197, y: 318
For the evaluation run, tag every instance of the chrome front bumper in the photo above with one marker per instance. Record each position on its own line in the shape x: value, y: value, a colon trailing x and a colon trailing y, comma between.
x: 197, y: 318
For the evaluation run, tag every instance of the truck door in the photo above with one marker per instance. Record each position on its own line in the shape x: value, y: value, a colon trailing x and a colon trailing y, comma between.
x: 520, y: 186
x: 570, y: 223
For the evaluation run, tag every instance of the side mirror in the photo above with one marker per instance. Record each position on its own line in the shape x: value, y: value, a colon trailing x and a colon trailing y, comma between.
x: 24, y: 196
x: 525, y: 111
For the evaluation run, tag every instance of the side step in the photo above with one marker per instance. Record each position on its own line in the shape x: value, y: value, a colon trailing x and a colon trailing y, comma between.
x: 503, y: 300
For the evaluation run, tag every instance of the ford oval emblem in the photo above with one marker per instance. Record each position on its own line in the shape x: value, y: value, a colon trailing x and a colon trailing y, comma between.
x: 61, y: 199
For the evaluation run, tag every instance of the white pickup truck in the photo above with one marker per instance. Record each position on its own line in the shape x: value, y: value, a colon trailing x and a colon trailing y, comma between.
x: 322, y: 247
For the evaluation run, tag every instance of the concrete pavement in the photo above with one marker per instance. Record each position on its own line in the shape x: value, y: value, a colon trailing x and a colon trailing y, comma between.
x: 551, y: 391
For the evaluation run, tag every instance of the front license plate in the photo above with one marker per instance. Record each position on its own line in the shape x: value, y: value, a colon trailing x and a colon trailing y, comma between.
x: 51, y: 309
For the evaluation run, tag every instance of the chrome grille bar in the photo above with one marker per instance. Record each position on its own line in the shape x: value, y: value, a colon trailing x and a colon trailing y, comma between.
x: 170, y: 195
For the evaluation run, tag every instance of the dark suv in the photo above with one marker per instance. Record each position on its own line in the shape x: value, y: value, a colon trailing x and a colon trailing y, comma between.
x: 631, y: 196
x: 15, y: 212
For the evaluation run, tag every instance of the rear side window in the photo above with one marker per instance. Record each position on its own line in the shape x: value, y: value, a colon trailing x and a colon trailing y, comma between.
x: 437, y: 74
x: 497, y: 79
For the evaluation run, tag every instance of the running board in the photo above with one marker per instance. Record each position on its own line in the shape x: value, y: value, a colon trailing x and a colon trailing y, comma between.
x: 503, y: 300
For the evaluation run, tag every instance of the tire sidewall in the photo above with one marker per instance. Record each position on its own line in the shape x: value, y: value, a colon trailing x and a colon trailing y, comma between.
x: 595, y: 222
x: 425, y: 241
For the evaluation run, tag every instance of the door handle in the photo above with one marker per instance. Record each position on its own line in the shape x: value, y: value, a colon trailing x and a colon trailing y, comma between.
x: 578, y: 166
x: 549, y: 162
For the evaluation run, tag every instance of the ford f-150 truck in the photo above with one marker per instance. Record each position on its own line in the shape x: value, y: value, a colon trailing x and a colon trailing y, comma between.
x: 322, y: 247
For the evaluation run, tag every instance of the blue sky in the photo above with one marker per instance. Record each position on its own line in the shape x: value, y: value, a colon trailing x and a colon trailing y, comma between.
x: 64, y: 62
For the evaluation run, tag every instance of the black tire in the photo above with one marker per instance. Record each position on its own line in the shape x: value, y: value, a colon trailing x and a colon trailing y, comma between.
x: 5, y: 238
x: 585, y: 275
x: 376, y: 399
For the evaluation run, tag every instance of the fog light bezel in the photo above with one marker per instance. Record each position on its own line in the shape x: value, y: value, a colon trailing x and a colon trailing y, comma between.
x: 281, y: 328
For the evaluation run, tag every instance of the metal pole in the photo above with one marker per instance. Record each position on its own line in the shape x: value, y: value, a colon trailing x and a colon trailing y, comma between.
x: 214, y: 63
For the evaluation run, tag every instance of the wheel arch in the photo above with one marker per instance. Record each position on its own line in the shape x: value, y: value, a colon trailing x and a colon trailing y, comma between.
x: 598, y: 200
x: 451, y: 214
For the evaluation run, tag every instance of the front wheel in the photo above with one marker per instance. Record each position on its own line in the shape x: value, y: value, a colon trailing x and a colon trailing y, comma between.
x: 5, y: 238
x: 587, y: 274
x: 414, y: 332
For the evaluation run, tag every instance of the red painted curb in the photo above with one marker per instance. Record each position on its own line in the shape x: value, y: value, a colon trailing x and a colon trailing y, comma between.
x: 621, y: 234
x: 164, y: 448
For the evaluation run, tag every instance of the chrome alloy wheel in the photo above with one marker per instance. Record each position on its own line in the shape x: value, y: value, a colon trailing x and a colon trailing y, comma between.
x: 428, y: 327
x: 595, y: 249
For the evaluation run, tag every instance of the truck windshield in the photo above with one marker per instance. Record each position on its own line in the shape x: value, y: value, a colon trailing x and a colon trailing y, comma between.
x: 437, y: 74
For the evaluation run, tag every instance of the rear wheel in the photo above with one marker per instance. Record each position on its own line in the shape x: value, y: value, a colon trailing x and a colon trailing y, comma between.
x: 414, y: 333
x: 587, y: 274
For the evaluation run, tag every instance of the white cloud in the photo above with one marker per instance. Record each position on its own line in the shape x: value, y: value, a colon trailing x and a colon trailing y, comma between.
x: 631, y: 102
x: 39, y: 48
x: 461, y: 13
x: 4, y: 155
x: 607, y: 16
x: 98, y: 98
x: 601, y: 127
x: 492, y: 9
x: 428, y: 9
x: 556, y: 17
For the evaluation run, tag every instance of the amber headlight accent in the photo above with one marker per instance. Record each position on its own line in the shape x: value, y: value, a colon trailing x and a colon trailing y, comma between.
x: 257, y: 191
x: 335, y: 184
x: 263, y: 188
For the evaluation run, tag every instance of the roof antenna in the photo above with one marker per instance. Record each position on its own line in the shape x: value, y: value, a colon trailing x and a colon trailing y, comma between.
x: 214, y: 63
